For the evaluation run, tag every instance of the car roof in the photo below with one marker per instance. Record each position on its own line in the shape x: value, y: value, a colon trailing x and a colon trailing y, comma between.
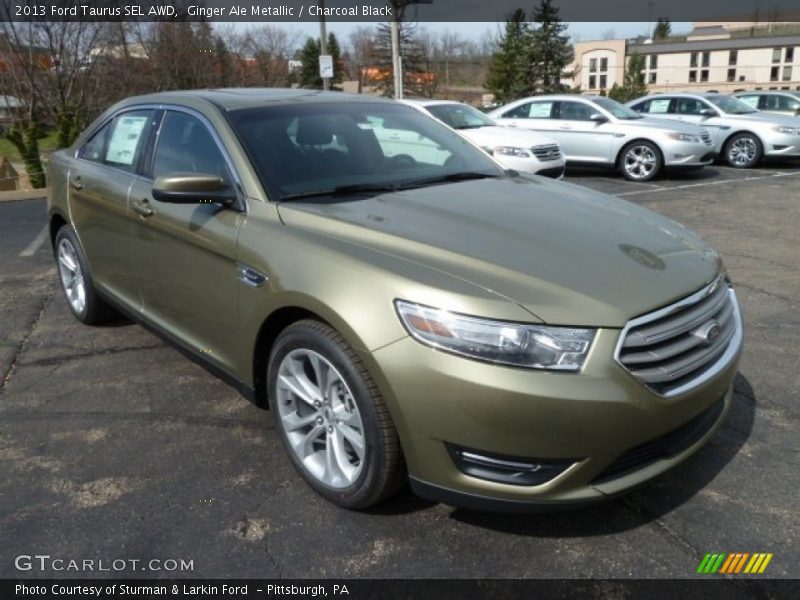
x: 795, y: 93
x: 428, y: 102
x: 240, y: 98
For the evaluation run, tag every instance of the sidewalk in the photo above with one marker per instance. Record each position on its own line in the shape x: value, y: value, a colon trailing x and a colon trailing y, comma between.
x: 16, y: 195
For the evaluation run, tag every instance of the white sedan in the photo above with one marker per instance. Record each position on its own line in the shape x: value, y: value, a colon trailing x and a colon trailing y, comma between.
x: 522, y: 151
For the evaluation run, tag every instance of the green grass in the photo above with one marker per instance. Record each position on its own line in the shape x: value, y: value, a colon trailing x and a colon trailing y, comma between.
x: 46, y: 144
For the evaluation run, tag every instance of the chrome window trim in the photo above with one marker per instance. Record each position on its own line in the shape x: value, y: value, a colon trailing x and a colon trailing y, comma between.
x: 734, y: 346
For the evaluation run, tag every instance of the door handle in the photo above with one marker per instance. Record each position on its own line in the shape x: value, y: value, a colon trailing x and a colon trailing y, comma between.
x: 564, y: 127
x: 513, y: 124
x: 75, y: 183
x: 143, y: 208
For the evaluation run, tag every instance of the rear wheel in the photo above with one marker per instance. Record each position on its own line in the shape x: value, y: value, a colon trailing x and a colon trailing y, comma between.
x: 640, y: 161
x: 743, y: 150
x: 76, y: 280
x: 332, y: 418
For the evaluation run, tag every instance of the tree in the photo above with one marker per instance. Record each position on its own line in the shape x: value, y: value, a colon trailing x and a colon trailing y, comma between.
x: 308, y: 74
x: 416, y: 80
x: 271, y: 47
x: 663, y: 29
x: 549, y: 51
x: 506, y: 77
x: 362, y: 52
x: 633, y: 85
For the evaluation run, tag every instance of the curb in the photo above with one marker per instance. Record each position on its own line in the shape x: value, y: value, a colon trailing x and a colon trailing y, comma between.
x: 17, y: 195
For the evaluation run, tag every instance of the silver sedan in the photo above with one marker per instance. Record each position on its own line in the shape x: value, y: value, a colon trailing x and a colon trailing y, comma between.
x: 742, y: 135
x: 600, y: 131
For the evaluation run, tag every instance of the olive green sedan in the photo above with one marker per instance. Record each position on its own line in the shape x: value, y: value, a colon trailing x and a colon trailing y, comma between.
x: 408, y: 309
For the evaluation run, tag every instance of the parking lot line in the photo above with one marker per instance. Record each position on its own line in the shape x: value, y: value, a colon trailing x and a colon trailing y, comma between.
x: 37, y: 242
x: 709, y: 183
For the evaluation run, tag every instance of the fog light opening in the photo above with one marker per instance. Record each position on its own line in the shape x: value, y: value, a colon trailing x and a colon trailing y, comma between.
x: 506, y: 469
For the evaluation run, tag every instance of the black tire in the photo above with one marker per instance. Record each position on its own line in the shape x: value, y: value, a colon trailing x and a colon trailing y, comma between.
x: 651, y: 150
x: 94, y: 310
x: 383, y: 470
x: 743, y: 151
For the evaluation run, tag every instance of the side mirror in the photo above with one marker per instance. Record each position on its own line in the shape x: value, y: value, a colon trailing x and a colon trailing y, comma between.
x: 193, y: 188
x: 708, y: 112
x: 598, y: 118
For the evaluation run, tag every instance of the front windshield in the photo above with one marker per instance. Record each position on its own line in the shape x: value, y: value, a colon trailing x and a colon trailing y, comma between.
x: 620, y: 111
x: 460, y: 116
x: 310, y: 149
x: 731, y: 105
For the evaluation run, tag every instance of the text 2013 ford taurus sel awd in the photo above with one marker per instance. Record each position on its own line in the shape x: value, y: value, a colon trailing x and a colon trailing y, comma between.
x: 502, y: 341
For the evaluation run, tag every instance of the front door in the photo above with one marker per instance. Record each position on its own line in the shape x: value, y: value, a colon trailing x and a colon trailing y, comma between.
x: 582, y: 139
x: 191, y: 287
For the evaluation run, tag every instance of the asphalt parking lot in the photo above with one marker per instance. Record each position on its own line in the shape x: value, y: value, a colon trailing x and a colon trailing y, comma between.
x: 113, y: 445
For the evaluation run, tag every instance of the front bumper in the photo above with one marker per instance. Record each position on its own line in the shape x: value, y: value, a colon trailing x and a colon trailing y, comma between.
x: 779, y: 145
x: 533, y: 166
x: 592, y: 418
x: 688, y: 154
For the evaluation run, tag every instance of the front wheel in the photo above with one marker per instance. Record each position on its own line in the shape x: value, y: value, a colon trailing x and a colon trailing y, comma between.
x: 743, y: 150
x: 641, y: 161
x: 332, y: 418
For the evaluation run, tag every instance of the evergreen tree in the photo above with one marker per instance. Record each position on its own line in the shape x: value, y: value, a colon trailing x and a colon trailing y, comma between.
x: 413, y: 61
x: 506, y: 78
x: 549, y: 51
x: 663, y: 29
x: 633, y: 85
x: 224, y: 67
x: 307, y: 76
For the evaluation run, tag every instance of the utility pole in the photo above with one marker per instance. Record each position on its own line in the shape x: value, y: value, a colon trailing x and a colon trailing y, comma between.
x: 323, y: 42
x: 397, y: 60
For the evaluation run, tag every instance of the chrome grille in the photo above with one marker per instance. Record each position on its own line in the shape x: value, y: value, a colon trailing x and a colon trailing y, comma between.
x: 707, y: 138
x: 678, y: 348
x: 547, y: 152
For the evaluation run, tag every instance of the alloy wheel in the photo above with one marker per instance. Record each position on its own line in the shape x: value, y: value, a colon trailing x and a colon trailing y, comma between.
x: 640, y: 162
x: 742, y: 151
x: 69, y: 269
x: 320, y: 418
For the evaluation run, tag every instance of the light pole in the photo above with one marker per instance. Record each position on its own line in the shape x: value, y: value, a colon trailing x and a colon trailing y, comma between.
x: 397, y: 60
x: 323, y: 41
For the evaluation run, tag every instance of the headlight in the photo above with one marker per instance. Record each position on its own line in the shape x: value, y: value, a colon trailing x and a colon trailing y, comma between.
x: 512, y: 151
x: 684, y: 137
x: 787, y: 130
x: 519, y: 345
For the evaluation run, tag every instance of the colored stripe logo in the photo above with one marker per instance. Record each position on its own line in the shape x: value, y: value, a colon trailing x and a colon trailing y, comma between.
x: 733, y: 563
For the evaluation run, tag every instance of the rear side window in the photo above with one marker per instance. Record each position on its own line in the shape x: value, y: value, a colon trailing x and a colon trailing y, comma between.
x: 120, y: 142
x: 656, y: 106
x: 689, y: 106
x: 185, y: 145
x: 751, y: 101
x: 523, y: 111
x: 575, y: 111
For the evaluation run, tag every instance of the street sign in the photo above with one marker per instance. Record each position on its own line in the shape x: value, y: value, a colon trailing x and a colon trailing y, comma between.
x: 326, y: 66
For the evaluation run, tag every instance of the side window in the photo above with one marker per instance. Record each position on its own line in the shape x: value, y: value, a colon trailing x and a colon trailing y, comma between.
x: 121, y: 141
x: 788, y: 103
x: 752, y: 100
x: 688, y: 106
x: 522, y: 111
x: 642, y: 107
x: 659, y: 106
x: 541, y: 110
x: 575, y: 111
x: 185, y: 145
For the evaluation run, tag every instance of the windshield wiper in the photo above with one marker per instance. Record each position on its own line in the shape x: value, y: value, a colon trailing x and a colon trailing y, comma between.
x: 450, y: 177
x: 343, y: 190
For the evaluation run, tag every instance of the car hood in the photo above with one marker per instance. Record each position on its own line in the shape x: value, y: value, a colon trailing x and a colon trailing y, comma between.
x: 505, y: 136
x: 568, y: 255
x: 651, y: 123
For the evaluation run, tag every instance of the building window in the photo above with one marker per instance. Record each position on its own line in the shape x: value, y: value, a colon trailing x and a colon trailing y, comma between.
x: 604, y: 64
x: 592, y: 65
x: 731, y: 74
x: 704, y: 75
x: 654, y: 61
x: 592, y: 82
x: 706, y: 58
x: 693, y: 60
x: 651, y: 78
x: 787, y: 73
x: 789, y: 55
x: 773, y: 73
x: 776, y: 55
x: 603, y: 82
x: 733, y: 56
x: 692, y: 76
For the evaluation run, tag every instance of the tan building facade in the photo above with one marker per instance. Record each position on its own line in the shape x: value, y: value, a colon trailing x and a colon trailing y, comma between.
x: 718, y: 58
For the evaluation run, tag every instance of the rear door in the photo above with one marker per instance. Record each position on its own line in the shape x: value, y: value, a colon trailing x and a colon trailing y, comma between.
x: 190, y: 249
x: 99, y: 182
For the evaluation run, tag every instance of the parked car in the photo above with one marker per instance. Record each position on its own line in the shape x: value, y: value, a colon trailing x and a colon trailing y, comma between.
x: 600, y: 131
x: 742, y: 135
x: 523, y: 151
x: 781, y: 103
x: 506, y: 341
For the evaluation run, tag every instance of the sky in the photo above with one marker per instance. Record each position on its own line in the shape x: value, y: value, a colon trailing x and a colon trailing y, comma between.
x: 474, y: 31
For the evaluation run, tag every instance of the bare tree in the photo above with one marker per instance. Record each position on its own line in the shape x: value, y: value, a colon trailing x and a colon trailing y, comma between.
x: 270, y: 48
x: 362, y: 52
